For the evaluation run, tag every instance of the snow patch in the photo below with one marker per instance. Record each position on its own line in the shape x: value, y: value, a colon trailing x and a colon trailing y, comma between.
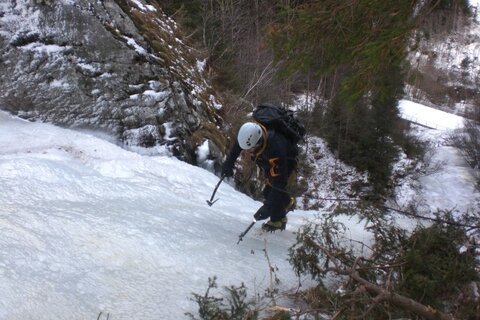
x: 138, y: 48
x: 44, y: 48
x: 429, y: 117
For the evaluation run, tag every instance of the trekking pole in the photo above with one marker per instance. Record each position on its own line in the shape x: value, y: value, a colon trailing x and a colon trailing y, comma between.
x: 240, y: 237
x: 211, y: 202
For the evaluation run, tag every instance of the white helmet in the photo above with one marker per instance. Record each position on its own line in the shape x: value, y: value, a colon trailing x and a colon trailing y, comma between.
x: 249, y: 135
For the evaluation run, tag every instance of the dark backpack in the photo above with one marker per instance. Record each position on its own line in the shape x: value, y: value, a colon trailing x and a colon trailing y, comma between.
x: 280, y: 119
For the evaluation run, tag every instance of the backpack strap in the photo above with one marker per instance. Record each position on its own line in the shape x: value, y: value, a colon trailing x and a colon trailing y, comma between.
x: 264, y: 140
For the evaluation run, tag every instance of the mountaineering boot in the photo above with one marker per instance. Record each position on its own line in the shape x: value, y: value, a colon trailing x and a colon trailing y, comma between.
x: 272, y: 226
x: 291, y: 205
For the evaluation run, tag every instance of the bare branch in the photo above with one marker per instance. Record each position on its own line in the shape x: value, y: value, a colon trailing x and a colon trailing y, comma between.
x: 261, y: 78
x: 384, y: 294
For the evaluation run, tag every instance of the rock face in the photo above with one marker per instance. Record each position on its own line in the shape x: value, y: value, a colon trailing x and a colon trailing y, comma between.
x: 117, y: 66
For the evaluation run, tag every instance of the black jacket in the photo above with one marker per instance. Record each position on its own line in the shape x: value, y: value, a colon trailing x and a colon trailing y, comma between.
x: 277, y: 159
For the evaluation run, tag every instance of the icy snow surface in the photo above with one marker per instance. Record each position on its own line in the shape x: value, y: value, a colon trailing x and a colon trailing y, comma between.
x: 450, y: 185
x: 88, y: 227
x: 429, y: 117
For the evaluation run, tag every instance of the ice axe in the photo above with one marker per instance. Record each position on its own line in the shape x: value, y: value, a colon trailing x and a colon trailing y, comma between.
x: 211, y: 202
x: 240, y: 237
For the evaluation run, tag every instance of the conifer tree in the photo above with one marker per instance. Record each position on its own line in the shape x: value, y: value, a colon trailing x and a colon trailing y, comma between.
x: 363, y: 44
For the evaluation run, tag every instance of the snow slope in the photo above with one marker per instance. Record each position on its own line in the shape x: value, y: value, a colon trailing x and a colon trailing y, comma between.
x: 450, y: 182
x: 88, y: 227
x: 429, y: 117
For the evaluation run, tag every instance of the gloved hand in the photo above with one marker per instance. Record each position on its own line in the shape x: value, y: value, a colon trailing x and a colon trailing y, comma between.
x: 261, y: 214
x: 227, y: 169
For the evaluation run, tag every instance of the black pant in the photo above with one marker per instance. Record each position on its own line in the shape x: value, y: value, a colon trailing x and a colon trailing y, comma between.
x: 277, y: 210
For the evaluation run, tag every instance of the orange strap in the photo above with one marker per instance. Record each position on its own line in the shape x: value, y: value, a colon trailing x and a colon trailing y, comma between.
x: 273, y: 167
x: 264, y: 141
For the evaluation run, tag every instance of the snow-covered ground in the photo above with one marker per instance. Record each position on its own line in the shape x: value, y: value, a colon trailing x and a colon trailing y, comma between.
x: 88, y: 227
x: 429, y: 117
x: 450, y: 183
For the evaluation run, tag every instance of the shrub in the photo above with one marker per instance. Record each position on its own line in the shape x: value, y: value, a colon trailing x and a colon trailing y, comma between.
x: 434, y: 268
x: 421, y: 276
x: 232, y: 307
x: 467, y: 140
